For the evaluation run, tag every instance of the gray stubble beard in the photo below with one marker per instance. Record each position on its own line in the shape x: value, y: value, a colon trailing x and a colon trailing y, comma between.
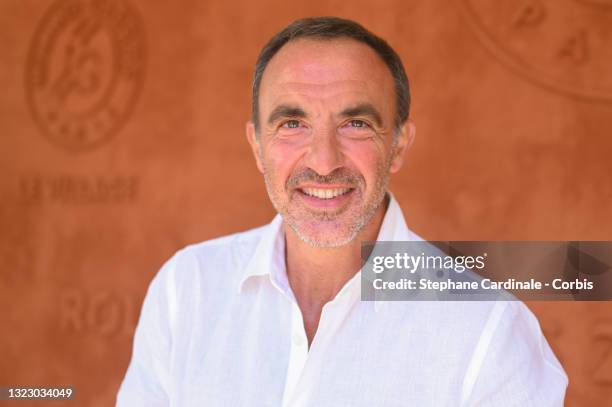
x: 380, y: 191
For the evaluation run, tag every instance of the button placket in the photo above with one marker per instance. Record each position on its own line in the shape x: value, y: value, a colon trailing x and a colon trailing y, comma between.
x: 298, y: 353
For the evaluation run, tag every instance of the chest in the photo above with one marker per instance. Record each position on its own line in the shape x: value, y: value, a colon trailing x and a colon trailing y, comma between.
x: 259, y: 356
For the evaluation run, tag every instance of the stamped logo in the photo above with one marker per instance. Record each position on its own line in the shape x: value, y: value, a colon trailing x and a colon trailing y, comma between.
x: 85, y: 70
x: 563, y: 45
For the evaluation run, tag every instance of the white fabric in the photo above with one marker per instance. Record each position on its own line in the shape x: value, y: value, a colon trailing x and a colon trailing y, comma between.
x: 220, y: 327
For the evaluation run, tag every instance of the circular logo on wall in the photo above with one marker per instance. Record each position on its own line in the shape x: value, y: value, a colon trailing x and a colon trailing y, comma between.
x: 563, y: 45
x: 85, y: 70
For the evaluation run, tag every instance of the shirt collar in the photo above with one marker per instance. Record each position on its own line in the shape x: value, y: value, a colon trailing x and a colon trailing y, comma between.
x: 393, y: 229
x: 268, y: 258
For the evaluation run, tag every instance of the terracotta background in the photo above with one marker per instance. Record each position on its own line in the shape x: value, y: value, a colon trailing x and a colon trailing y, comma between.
x: 513, y: 106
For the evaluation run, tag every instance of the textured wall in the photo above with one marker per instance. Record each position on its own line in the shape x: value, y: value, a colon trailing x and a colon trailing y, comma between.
x: 122, y: 139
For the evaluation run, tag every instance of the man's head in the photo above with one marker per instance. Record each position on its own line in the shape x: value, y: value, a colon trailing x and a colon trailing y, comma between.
x: 330, y: 123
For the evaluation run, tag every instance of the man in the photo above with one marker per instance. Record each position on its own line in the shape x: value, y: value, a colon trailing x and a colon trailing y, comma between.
x: 273, y: 317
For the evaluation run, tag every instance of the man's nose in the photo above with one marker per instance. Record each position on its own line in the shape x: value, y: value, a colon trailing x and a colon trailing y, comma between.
x: 324, y: 154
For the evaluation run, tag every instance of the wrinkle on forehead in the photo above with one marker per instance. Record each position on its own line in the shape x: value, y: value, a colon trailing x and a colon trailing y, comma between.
x: 336, y: 90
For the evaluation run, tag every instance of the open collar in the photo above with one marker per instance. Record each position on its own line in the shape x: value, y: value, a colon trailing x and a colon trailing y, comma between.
x: 268, y: 258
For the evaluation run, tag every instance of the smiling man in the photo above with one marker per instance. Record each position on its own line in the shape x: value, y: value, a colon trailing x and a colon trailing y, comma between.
x: 272, y: 316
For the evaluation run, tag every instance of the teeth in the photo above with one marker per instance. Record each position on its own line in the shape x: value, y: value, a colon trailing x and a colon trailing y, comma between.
x: 325, y: 193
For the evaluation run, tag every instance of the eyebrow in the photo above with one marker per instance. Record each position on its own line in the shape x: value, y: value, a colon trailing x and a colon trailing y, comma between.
x: 363, y: 109
x: 283, y: 111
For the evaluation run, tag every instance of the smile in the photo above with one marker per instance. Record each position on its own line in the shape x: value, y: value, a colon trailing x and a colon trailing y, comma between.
x: 325, y: 193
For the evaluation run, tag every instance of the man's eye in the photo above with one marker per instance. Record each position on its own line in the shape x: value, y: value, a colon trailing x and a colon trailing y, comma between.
x: 291, y: 124
x: 357, y: 123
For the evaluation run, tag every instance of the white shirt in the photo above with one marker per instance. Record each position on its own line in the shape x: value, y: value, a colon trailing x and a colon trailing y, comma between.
x: 220, y: 326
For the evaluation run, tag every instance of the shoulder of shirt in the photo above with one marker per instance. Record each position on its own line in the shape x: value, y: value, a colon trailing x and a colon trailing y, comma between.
x: 242, y: 241
x: 221, y: 260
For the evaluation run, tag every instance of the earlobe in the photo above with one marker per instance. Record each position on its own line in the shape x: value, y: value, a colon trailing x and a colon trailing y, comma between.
x: 406, y: 138
x: 254, y: 143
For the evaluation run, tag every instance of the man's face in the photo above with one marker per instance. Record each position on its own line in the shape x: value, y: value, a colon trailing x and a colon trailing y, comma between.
x: 326, y: 144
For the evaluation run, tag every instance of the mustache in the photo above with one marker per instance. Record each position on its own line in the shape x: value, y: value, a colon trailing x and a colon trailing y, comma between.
x: 342, y: 176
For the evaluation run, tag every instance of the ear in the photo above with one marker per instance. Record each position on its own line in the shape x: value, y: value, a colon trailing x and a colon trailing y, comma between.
x: 404, y: 142
x: 251, y: 135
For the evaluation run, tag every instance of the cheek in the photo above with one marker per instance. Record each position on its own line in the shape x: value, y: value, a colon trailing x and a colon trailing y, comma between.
x: 366, y: 156
x: 280, y: 158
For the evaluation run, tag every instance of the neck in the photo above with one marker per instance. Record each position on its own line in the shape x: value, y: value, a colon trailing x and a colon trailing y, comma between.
x: 317, y: 274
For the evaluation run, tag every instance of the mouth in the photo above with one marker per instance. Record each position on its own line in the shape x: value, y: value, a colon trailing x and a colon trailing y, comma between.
x: 328, y: 197
x: 325, y: 193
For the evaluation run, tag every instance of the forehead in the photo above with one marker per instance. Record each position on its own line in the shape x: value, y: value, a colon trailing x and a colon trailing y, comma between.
x: 323, y: 68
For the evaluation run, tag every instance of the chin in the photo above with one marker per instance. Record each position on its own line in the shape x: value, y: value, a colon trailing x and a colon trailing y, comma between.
x: 325, y: 241
x: 325, y: 233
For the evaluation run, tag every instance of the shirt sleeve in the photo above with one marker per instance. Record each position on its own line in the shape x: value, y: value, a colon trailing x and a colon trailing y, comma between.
x: 147, y: 380
x: 513, y: 364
